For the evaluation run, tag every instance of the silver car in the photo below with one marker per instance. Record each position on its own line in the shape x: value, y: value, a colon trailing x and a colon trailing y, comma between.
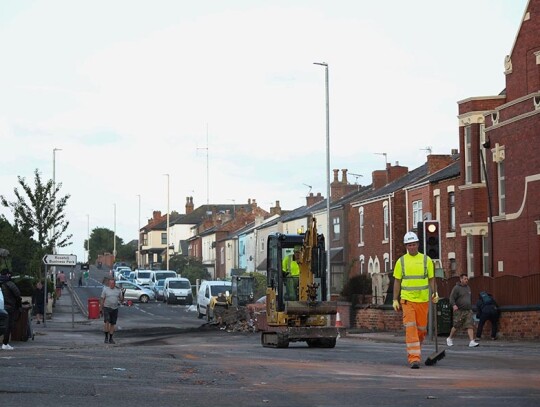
x: 158, y: 289
x: 136, y: 292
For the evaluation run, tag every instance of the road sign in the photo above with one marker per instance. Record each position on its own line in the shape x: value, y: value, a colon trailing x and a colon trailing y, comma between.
x: 60, y: 259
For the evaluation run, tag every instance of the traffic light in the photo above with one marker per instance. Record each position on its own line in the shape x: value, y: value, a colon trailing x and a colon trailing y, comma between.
x: 432, y: 239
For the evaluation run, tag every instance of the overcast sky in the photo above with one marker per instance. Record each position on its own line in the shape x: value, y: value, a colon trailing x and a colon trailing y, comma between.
x: 132, y: 90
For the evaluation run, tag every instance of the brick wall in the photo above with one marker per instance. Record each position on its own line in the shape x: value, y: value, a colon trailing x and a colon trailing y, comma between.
x: 512, y: 324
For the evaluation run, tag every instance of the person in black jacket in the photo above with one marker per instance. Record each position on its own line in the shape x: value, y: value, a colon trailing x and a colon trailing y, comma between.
x: 12, y: 304
x: 38, y: 301
x: 487, y: 309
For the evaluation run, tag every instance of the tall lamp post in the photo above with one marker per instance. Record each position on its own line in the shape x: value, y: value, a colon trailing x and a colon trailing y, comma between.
x: 139, y: 237
x: 54, y: 214
x: 167, y: 249
x: 328, y: 273
x: 114, y: 237
x: 88, y: 241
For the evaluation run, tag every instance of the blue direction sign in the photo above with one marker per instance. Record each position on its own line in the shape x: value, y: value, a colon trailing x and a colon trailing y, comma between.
x: 60, y: 259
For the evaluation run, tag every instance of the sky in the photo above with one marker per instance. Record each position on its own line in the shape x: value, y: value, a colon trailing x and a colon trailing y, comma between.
x: 225, y: 98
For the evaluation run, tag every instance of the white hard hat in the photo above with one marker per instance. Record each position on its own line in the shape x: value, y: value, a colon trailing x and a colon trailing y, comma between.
x: 410, y: 237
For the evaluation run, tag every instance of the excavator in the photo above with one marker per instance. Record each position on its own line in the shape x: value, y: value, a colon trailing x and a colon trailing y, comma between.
x: 303, y: 312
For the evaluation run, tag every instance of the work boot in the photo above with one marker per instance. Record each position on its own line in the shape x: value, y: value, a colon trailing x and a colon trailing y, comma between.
x: 415, y: 365
x: 112, y: 341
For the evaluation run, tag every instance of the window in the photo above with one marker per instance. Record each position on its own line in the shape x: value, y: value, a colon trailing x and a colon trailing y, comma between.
x: 502, y: 187
x: 337, y: 230
x: 485, y: 255
x: 482, y: 152
x: 361, y: 213
x: 362, y: 265
x: 416, y: 212
x: 452, y: 211
x: 468, y: 155
x: 337, y: 279
x: 386, y: 226
x: 222, y: 255
x: 164, y: 238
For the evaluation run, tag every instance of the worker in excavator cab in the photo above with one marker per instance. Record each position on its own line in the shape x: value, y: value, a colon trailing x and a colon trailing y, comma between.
x: 291, y: 270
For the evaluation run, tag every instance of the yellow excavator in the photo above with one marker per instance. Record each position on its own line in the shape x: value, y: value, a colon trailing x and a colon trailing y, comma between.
x: 297, y: 307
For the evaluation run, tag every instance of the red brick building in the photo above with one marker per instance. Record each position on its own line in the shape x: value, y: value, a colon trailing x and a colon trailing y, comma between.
x: 499, y: 136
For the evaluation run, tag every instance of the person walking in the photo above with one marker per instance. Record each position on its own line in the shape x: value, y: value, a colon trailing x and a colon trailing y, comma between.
x: 38, y: 302
x: 460, y: 301
x: 487, y: 309
x: 111, y: 297
x: 414, y: 275
x: 12, y: 305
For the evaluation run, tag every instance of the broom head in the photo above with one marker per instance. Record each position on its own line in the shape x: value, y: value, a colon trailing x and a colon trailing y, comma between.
x: 434, y: 358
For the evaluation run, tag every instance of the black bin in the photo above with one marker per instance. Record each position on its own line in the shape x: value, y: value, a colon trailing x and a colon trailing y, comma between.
x: 21, y: 330
x: 444, y: 316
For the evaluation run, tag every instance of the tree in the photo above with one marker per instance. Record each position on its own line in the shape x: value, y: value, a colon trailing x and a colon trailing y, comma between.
x: 188, y: 267
x: 25, y: 254
x: 37, y: 212
x: 101, y: 241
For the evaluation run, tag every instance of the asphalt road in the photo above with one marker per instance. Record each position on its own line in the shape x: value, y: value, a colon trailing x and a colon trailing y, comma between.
x: 162, y: 365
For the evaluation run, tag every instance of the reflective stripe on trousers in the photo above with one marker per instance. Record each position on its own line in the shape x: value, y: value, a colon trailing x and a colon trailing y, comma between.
x: 415, y: 315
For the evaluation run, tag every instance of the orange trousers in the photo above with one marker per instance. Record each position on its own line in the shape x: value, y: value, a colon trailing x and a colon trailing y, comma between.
x: 415, y: 316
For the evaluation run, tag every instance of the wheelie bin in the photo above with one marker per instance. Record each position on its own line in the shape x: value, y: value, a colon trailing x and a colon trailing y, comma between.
x: 21, y: 331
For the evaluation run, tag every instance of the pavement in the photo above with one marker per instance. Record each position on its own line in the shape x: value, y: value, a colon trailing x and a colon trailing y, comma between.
x: 69, y: 326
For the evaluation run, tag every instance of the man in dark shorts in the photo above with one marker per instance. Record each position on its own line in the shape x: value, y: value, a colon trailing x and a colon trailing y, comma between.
x: 460, y: 300
x: 111, y: 297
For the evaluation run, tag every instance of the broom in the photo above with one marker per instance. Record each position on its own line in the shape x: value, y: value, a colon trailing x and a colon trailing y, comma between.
x: 435, y: 356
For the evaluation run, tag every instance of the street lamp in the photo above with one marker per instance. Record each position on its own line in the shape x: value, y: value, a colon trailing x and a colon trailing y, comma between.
x: 167, y: 249
x: 139, y: 237
x: 328, y: 274
x: 88, y: 241
x: 114, y: 238
x: 53, y: 271
x: 54, y: 199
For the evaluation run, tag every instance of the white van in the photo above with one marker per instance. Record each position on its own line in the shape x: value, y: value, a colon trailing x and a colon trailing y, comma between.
x: 156, y: 275
x: 177, y: 290
x: 207, y: 290
x: 143, y: 277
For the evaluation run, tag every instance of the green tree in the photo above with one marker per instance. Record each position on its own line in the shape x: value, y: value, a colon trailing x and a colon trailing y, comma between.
x: 188, y: 267
x: 101, y: 241
x: 25, y: 254
x: 35, y: 211
x: 126, y: 252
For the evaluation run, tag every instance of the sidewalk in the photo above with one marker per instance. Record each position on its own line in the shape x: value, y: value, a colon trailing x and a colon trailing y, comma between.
x: 70, y: 326
x: 67, y: 327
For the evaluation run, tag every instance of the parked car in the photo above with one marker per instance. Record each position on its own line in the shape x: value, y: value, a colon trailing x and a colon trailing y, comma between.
x: 121, y: 273
x: 135, y: 292
x: 158, y: 289
x: 207, y: 290
x: 177, y: 290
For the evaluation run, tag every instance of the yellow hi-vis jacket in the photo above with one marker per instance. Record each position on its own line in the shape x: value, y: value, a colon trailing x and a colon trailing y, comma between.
x: 291, y: 266
x: 414, y: 273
